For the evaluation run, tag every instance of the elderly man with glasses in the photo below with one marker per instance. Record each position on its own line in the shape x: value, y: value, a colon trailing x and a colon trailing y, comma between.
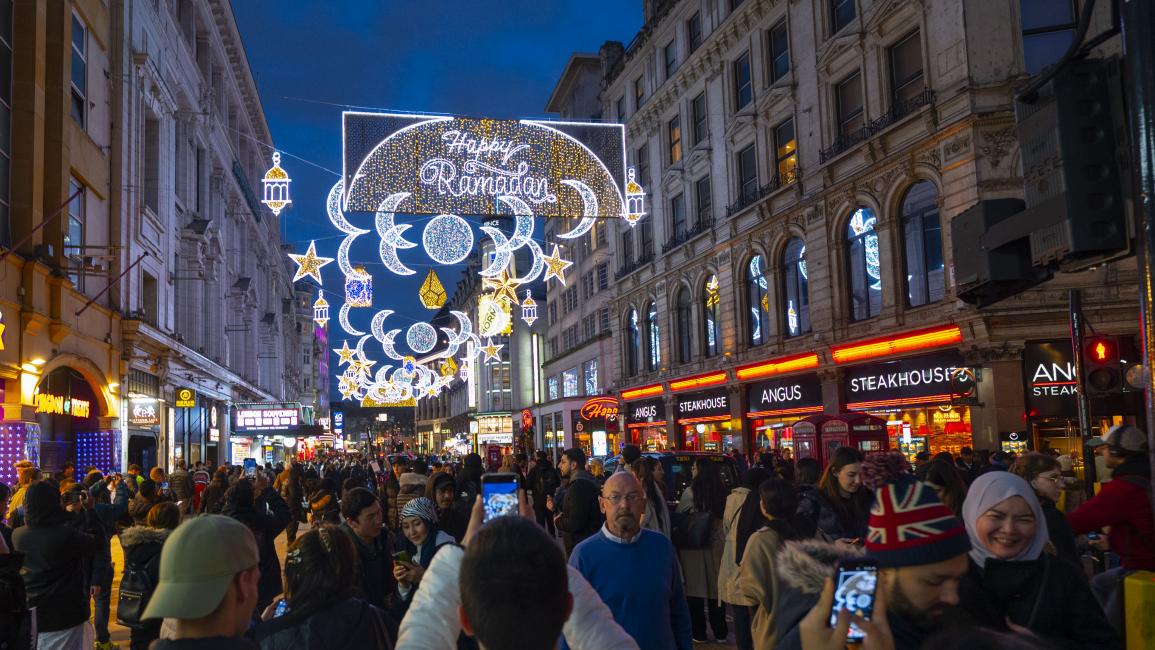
x: 635, y: 570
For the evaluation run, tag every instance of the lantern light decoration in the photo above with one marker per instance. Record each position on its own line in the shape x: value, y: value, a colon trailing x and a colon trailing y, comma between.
x: 635, y: 199
x: 359, y: 288
x: 276, y: 186
x: 321, y: 311
x: 432, y: 293
x: 448, y: 368
x: 528, y: 309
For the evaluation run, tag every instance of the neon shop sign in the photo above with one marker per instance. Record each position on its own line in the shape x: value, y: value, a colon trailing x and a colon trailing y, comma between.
x: 61, y: 405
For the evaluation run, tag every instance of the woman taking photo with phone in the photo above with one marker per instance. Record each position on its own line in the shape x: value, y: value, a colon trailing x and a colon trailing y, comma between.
x: 421, y: 541
x: 1012, y: 584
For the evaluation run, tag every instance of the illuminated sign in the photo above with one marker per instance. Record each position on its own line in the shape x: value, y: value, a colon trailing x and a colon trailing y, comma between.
x: 2, y: 326
x: 143, y: 412
x: 186, y: 398
x: 526, y: 419
x: 710, y: 404
x: 792, y: 396
x: 886, y: 346
x: 1050, y: 376
x: 648, y: 413
x: 927, y: 379
x: 273, y: 416
x: 461, y: 165
x: 60, y: 405
x: 338, y: 423
x: 644, y: 391
x: 600, y: 407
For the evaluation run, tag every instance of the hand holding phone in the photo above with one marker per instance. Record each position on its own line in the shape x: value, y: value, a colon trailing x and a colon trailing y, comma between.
x: 499, y: 495
x: 855, y: 586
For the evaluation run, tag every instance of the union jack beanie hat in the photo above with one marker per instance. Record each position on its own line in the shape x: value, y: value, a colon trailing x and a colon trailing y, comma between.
x: 910, y: 526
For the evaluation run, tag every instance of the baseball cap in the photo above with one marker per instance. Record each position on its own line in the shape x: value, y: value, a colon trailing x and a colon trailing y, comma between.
x: 1126, y: 437
x: 1095, y: 442
x: 197, y: 564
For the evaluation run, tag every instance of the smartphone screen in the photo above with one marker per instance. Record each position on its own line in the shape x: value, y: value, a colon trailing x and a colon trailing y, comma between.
x: 854, y: 591
x: 282, y: 607
x: 499, y: 495
x: 250, y: 467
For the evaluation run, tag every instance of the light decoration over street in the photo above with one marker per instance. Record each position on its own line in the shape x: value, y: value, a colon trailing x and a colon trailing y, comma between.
x: 345, y: 354
x: 421, y: 337
x: 448, y: 368
x: 556, y: 266
x: 447, y: 239
x: 528, y: 309
x: 493, y: 315
x: 491, y: 350
x: 276, y: 186
x: 712, y: 291
x: 503, y: 286
x: 321, y: 310
x: 359, y: 288
x: 635, y: 199
x: 432, y: 293
x: 309, y: 265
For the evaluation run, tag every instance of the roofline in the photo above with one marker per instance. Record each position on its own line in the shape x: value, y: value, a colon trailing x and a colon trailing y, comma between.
x: 568, y: 76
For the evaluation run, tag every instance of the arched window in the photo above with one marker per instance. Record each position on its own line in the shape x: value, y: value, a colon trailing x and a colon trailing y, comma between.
x: 863, y: 266
x: 685, y: 331
x: 758, y: 300
x: 654, y: 337
x: 633, y: 344
x: 922, y: 232
x: 795, y: 288
x: 710, y: 299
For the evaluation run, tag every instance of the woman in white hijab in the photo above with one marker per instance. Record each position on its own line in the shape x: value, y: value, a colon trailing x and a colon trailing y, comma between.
x: 1013, y: 582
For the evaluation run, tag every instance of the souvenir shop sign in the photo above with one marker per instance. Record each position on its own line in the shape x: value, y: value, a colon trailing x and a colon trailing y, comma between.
x: 271, y: 416
x: 1049, y: 372
x: 927, y: 379
x: 801, y: 395
x: 646, y: 412
x: 712, y: 403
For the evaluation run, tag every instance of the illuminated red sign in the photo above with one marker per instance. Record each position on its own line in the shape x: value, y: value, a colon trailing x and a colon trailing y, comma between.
x: 600, y: 407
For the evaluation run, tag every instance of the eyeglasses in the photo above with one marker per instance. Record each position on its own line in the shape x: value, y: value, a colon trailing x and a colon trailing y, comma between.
x: 1054, y: 479
x: 630, y: 499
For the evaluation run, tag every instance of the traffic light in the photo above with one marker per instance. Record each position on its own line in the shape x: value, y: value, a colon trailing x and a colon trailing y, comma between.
x: 1102, y: 369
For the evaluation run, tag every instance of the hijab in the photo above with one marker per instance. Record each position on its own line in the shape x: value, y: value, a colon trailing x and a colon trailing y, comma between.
x: 988, y: 491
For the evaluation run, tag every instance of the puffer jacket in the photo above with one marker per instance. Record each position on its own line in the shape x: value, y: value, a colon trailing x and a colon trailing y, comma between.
x: 350, y: 623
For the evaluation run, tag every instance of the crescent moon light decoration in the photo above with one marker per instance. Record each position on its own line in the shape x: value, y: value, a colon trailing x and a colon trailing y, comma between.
x: 392, y: 234
x: 501, y: 255
x: 343, y: 319
x: 589, y: 211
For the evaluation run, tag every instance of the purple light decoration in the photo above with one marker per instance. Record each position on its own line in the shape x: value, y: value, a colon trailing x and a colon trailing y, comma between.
x: 18, y: 441
x: 99, y: 449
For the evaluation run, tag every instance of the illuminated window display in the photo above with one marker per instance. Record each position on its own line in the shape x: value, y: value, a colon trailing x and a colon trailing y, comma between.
x: 863, y: 265
x: 704, y: 421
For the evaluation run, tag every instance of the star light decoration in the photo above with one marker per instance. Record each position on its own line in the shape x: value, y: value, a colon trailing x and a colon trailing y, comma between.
x: 432, y: 293
x: 556, y: 266
x: 504, y: 287
x: 276, y: 187
x: 309, y: 265
x: 491, y: 350
x: 345, y: 354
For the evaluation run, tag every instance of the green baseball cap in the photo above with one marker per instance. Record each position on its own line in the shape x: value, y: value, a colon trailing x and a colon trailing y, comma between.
x: 197, y: 564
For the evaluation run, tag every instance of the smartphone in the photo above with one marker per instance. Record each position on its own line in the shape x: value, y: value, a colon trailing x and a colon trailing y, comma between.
x: 250, y: 467
x: 164, y: 486
x: 1092, y: 536
x: 403, y: 556
x: 375, y: 466
x: 282, y: 607
x: 499, y: 495
x: 854, y: 589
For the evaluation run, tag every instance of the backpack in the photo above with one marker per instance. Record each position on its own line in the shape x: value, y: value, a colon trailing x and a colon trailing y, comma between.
x: 135, y: 590
x: 548, y: 481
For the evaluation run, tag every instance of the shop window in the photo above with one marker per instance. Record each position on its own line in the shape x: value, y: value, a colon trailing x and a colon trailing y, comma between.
x: 863, y: 265
x: 743, y: 83
x: 758, y: 299
x: 713, y: 328
x: 906, y: 80
x: 699, y: 114
x: 848, y: 94
x: 779, y: 51
x: 79, y: 71
x: 922, y: 232
x: 654, y: 338
x: 1048, y: 27
x: 684, y: 335
x: 796, y: 291
x: 633, y: 344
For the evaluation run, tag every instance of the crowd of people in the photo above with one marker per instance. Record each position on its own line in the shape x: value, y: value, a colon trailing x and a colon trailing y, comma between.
x: 972, y: 551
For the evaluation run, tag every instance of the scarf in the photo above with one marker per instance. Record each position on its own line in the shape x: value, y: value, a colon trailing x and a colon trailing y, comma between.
x: 988, y: 491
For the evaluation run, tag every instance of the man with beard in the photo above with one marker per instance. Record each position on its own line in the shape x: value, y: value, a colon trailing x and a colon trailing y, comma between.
x: 635, y: 570
x: 579, y: 518
x: 921, y: 550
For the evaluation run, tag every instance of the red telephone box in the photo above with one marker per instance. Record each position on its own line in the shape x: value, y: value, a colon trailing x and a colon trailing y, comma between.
x: 820, y: 435
x: 868, y: 433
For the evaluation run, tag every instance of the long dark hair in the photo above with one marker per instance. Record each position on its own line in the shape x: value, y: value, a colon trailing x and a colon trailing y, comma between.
x: 854, y: 509
x: 780, y: 500
x: 644, y: 469
x: 320, y: 570
x: 709, y: 490
x: 946, y: 476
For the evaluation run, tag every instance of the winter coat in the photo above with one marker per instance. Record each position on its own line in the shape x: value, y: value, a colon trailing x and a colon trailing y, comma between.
x: 375, y: 562
x: 581, y: 516
x: 15, y: 632
x: 322, y: 502
x: 1123, y: 504
x: 139, y: 506
x: 817, y: 507
x: 700, y: 566
x: 1060, y: 532
x: 728, y: 568
x: 432, y: 622
x: 293, y: 494
x: 350, y: 623
x: 410, y: 487
x: 543, y: 480
x: 755, y: 584
x: 142, y: 546
x: 1048, y: 596
x: 266, y: 524
x: 55, y: 550
x: 180, y: 481
x: 213, y: 498
x: 657, y: 516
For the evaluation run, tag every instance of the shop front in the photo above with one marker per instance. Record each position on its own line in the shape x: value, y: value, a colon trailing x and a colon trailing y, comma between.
x: 68, y: 415
x: 265, y: 431
x: 145, y: 421
x: 773, y: 406
x: 597, y: 428
x: 647, y: 425
x: 494, y: 435
x: 924, y: 400
x: 704, y: 421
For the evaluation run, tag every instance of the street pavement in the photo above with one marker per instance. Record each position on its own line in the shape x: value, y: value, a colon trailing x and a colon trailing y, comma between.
x: 120, y: 634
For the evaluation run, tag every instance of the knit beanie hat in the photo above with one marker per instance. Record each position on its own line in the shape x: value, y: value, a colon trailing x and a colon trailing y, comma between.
x: 910, y: 526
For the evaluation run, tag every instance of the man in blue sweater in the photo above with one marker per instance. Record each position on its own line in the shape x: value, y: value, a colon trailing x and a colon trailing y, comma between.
x: 635, y: 571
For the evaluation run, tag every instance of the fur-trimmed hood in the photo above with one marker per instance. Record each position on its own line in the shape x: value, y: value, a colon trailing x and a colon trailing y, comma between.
x: 410, y: 479
x: 806, y: 564
x: 143, y: 535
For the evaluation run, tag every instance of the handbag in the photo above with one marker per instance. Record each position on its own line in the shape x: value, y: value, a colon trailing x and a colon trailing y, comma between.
x: 692, y: 530
x: 135, y: 589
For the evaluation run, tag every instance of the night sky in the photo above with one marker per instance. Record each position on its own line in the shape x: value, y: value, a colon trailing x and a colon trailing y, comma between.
x: 491, y: 58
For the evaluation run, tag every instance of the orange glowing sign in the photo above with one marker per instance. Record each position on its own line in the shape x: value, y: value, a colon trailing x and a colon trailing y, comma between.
x: 642, y: 391
x: 698, y: 381
x: 881, y: 347
x: 778, y: 366
x: 600, y: 407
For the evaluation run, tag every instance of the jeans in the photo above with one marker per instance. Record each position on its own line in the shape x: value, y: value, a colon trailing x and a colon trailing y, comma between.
x: 698, y: 617
x: 102, y: 609
x: 743, y: 618
x: 1108, y: 590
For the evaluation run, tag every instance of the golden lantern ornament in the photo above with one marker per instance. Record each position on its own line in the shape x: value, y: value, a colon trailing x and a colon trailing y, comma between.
x: 276, y: 186
x: 432, y: 293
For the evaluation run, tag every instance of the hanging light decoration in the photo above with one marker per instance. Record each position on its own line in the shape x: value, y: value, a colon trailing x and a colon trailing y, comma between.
x: 635, y: 199
x: 359, y: 288
x: 528, y: 309
x: 276, y: 186
x: 432, y: 293
x: 321, y: 310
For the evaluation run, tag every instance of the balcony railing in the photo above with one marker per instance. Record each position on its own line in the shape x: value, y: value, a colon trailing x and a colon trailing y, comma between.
x: 898, y: 110
x: 753, y: 196
x: 633, y: 265
x: 684, y: 236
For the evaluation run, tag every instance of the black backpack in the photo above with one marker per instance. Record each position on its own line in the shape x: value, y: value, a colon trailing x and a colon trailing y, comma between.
x: 135, y: 589
x: 548, y: 480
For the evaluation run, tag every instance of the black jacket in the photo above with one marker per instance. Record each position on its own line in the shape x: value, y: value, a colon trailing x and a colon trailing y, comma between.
x: 376, y: 564
x: 54, y: 553
x: 1060, y: 531
x: 208, y: 643
x: 580, y: 516
x: 267, y: 517
x: 350, y: 623
x: 142, y: 546
x: 1048, y: 596
x: 15, y: 630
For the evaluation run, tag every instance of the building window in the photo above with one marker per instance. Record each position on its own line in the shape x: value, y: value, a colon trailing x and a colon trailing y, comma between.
x: 678, y: 217
x: 759, y: 300
x: 747, y: 175
x: 74, y: 234
x: 743, y: 84
x: 1048, y: 27
x: 151, y: 193
x: 671, y: 56
x: 863, y: 265
x: 779, y: 51
x: 906, y: 69
x: 674, y: 131
x: 603, y: 271
x: 149, y: 299
x: 849, y: 96
x: 643, y: 163
x: 627, y: 251
x: 590, y: 376
x: 633, y: 344
x: 569, y: 383
x: 79, y: 74
x: 552, y: 388
x: 785, y: 152
x: 604, y: 319
x: 646, y: 239
x: 621, y: 108
x: 842, y: 12
x: 694, y: 31
x: 5, y: 124
x: 684, y: 335
x: 796, y: 290
x: 698, y: 114
x: 922, y: 233
x: 639, y: 92
x: 713, y: 328
x: 600, y: 235
x: 653, y: 337
x: 703, y: 195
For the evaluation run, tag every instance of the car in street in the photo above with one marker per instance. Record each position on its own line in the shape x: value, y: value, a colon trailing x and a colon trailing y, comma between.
x: 676, y: 467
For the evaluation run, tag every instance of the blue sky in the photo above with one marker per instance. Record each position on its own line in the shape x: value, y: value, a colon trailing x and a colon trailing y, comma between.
x: 493, y: 58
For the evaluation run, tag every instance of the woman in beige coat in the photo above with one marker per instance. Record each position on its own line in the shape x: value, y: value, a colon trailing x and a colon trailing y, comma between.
x: 706, y: 493
x: 742, y: 518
